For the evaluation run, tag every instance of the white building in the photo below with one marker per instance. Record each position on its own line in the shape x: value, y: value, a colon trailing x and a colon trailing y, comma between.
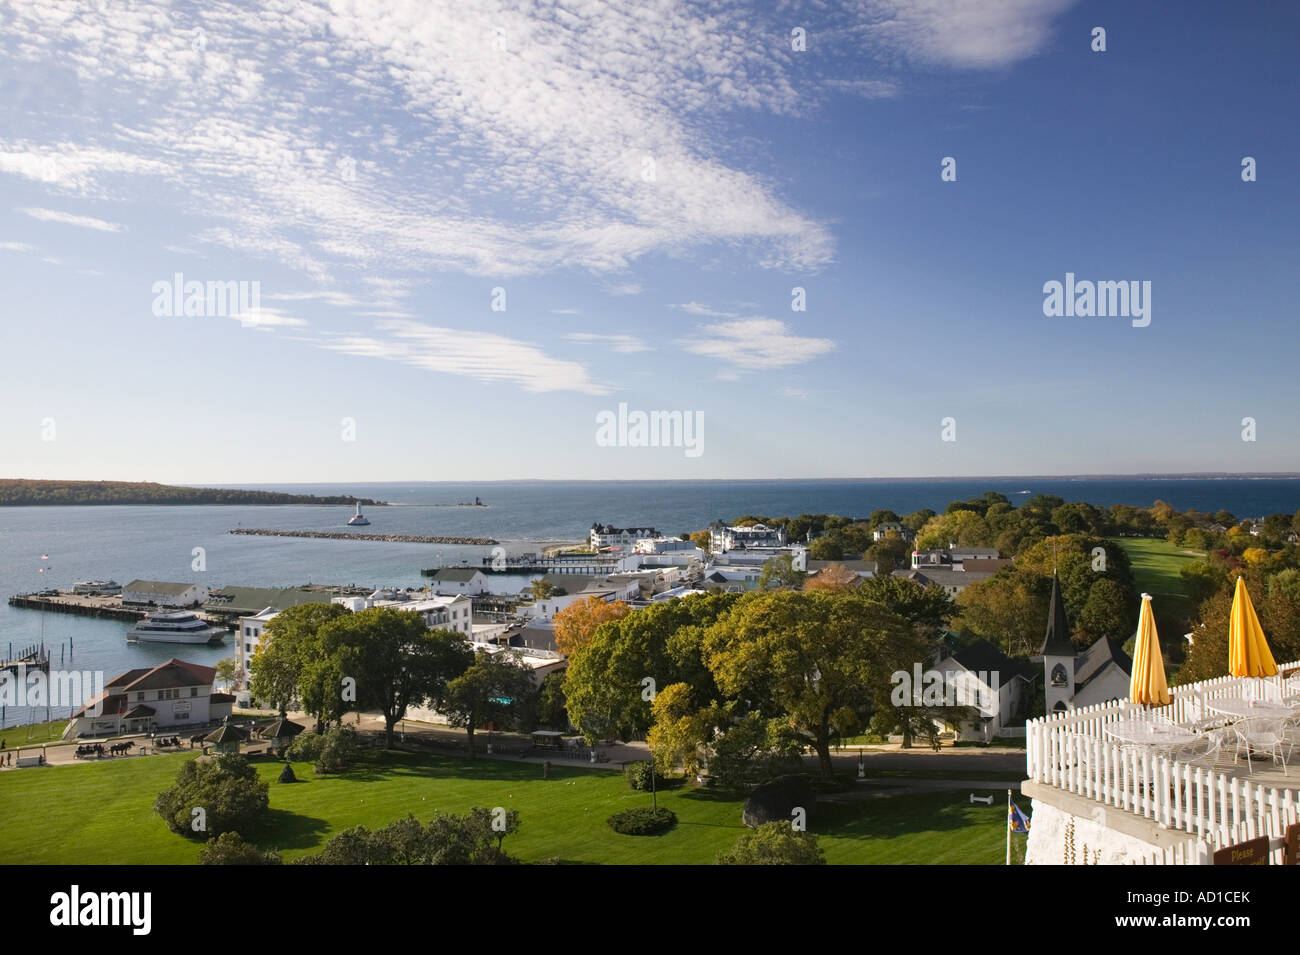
x: 887, y: 529
x: 440, y: 612
x: 171, y: 695
x: 160, y: 593
x: 449, y: 581
x: 995, y: 688
x: 723, y: 537
x: 607, y: 535
x: 250, y: 636
x: 1074, y: 679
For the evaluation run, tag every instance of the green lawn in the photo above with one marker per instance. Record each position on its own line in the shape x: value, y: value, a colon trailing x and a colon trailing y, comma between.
x: 15, y: 736
x: 102, y: 813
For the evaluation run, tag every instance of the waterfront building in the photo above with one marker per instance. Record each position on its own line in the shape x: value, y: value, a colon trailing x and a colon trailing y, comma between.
x: 171, y: 695
x: 449, y: 581
x: 440, y: 612
x: 607, y: 535
x: 724, y: 537
x: 159, y: 593
x: 248, y: 637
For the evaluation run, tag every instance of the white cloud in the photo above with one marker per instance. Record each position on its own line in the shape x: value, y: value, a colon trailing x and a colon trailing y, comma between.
x: 966, y: 34
x: 626, y: 344
x: 16, y: 247
x: 483, y: 356
x: 753, y: 344
x: 695, y: 308
x: 625, y: 288
x: 66, y: 218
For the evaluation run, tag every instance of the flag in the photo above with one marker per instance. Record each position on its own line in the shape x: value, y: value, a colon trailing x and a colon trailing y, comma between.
x: 1018, y: 821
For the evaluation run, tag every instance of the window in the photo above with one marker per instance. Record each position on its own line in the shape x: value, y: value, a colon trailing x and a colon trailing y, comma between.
x: 248, y: 648
x: 248, y: 631
x: 194, y: 691
x: 139, y: 697
x: 1059, y: 677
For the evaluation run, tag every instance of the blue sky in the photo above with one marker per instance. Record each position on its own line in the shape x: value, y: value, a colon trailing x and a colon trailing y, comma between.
x: 646, y: 183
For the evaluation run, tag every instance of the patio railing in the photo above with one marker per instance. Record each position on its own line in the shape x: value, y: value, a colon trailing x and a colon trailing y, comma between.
x: 1071, y: 752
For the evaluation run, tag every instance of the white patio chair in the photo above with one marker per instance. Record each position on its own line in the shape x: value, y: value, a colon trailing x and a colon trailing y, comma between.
x: 1202, y: 752
x: 1261, y: 736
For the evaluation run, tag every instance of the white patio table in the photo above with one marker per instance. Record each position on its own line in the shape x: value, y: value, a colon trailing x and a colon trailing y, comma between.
x: 1140, y: 733
x: 1249, y: 709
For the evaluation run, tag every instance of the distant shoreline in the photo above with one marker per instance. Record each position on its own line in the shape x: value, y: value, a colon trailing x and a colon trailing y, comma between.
x: 16, y: 492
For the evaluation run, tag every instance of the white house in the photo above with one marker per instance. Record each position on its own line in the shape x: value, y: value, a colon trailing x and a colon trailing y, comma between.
x: 887, y: 529
x: 449, y: 581
x: 171, y: 695
x: 994, y: 688
x: 163, y: 594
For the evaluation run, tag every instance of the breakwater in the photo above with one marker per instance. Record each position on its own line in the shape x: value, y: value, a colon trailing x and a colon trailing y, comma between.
x: 347, y: 536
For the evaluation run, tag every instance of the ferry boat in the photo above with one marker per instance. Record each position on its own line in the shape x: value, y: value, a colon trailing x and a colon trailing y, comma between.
x: 359, y: 519
x: 174, y: 626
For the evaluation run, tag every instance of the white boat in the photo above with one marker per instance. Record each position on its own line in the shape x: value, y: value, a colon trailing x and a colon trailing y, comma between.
x: 174, y: 626
x: 359, y: 520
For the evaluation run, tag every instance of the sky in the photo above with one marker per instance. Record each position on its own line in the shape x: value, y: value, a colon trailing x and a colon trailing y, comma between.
x: 468, y: 232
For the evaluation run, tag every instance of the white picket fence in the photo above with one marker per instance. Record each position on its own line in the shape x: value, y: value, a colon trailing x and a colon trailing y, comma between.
x: 1071, y: 752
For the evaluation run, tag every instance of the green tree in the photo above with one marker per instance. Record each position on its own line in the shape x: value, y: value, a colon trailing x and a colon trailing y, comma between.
x: 1106, y: 613
x: 541, y: 589
x: 229, y: 848
x: 394, y: 659
x: 226, y: 791
x: 813, y: 657
x: 774, y: 843
x: 779, y: 572
x: 494, y: 689
x: 290, y: 643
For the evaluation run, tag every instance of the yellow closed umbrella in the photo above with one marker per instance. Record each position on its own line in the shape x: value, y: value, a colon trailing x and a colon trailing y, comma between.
x: 1147, y: 684
x: 1248, y: 652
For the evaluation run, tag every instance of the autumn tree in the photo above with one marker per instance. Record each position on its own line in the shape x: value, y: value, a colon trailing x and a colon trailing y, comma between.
x: 832, y: 577
x: 575, y: 624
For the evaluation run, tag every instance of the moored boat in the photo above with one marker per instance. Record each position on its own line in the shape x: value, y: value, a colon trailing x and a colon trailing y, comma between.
x: 174, y: 626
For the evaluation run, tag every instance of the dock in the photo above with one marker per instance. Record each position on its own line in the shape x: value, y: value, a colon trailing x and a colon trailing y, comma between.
x: 83, y: 605
x: 35, y: 657
x: 590, y: 564
x: 346, y: 536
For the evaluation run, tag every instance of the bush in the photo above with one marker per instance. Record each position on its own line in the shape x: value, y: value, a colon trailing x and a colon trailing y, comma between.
x: 642, y: 821
x: 774, y: 843
x: 213, y: 796
x: 333, y: 752
x: 639, y: 773
x: 229, y: 848
x: 286, y: 774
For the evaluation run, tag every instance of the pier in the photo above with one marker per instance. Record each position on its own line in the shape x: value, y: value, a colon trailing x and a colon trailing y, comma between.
x: 590, y: 564
x: 346, y: 536
x: 35, y: 657
x: 106, y: 608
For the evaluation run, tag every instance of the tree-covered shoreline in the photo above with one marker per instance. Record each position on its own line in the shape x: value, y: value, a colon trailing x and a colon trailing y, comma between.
x: 18, y: 492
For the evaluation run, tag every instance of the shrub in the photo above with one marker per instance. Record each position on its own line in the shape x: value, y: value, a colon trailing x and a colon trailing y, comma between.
x: 774, y: 843
x: 639, y: 773
x: 286, y: 774
x: 333, y: 752
x: 213, y: 796
x: 642, y: 821
x: 229, y: 848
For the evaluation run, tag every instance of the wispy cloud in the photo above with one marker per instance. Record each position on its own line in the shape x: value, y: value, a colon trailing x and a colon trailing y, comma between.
x: 967, y: 34
x: 695, y: 308
x: 16, y: 247
x: 67, y: 218
x: 483, y: 356
x: 753, y: 344
x: 619, y: 343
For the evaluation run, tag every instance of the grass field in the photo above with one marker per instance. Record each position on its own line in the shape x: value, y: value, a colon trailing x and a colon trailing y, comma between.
x: 102, y: 813
x: 15, y: 736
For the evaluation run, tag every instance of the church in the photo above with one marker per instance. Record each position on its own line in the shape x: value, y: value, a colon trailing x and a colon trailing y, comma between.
x: 1072, y: 679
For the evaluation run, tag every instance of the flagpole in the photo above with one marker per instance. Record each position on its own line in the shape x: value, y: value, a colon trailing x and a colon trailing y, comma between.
x: 1008, y: 827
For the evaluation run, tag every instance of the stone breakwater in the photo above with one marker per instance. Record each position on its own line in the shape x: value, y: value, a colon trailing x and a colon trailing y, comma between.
x: 348, y: 536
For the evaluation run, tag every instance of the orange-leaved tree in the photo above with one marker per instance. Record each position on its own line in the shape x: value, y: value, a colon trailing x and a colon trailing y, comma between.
x: 575, y: 624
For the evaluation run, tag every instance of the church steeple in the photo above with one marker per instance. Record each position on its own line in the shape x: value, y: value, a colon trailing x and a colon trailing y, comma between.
x: 1057, y: 642
x: 1058, y: 655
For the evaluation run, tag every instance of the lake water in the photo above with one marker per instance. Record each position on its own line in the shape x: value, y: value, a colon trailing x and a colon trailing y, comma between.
x: 157, y: 543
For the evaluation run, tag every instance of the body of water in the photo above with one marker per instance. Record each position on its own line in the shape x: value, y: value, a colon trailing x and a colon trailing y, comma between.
x: 159, y: 543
